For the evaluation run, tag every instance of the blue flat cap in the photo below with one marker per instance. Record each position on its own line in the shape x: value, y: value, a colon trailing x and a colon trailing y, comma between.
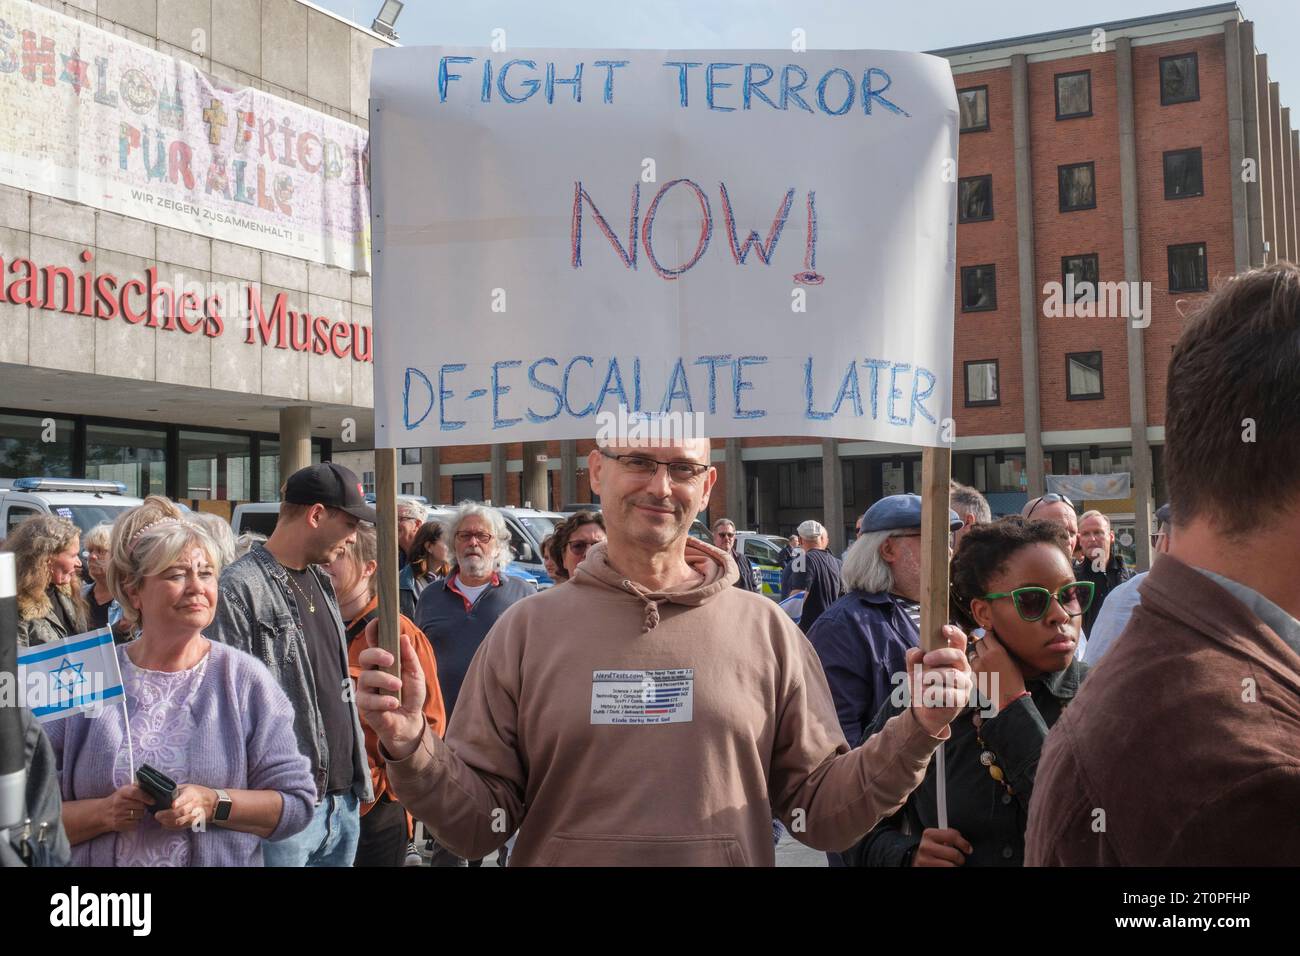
x: 899, y: 511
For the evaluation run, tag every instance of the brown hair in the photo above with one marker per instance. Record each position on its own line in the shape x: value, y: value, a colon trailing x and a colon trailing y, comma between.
x: 560, y: 540
x: 1236, y: 368
x: 33, y: 543
x: 431, y: 532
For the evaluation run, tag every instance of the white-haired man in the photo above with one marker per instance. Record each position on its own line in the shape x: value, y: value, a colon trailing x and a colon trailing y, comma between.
x: 649, y: 713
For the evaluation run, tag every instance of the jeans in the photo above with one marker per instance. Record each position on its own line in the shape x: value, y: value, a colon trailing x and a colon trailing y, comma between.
x: 329, y: 840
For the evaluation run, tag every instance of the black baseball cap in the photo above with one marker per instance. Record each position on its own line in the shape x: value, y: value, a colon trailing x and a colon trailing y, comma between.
x: 331, y: 485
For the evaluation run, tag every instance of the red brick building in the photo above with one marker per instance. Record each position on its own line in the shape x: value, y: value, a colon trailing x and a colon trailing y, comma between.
x: 1152, y: 152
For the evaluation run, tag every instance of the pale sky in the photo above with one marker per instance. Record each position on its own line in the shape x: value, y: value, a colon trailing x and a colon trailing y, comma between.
x: 766, y: 24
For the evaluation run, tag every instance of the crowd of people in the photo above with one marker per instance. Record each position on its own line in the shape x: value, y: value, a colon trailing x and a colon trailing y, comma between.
x: 653, y: 707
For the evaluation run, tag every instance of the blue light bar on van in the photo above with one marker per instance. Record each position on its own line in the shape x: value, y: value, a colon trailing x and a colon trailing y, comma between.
x: 86, y: 485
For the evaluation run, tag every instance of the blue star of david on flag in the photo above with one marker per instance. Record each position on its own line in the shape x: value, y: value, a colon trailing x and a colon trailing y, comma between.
x: 69, y: 675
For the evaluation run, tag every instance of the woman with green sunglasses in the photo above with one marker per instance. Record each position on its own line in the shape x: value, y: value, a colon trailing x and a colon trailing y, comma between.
x: 1014, y: 592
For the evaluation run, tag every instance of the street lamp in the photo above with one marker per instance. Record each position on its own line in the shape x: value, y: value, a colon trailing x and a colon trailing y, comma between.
x: 387, y: 18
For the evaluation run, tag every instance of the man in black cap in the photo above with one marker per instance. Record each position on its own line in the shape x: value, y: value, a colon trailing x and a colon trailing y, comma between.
x: 278, y: 606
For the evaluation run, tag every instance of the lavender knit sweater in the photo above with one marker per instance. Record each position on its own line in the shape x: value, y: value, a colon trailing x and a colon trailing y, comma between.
x: 243, y: 740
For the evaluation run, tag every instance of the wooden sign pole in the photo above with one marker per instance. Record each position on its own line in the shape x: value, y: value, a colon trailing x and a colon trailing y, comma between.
x: 936, y: 471
x: 386, y: 535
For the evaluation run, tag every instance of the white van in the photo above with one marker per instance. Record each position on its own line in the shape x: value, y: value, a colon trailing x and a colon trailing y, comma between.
x: 84, y: 502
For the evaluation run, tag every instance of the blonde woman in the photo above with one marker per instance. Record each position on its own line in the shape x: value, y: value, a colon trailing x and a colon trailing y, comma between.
x: 102, y: 610
x: 208, y: 716
x: 47, y: 554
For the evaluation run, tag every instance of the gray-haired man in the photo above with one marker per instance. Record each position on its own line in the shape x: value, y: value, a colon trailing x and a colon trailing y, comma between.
x: 816, y: 571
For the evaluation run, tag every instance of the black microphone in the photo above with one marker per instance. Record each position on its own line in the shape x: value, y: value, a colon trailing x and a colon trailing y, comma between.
x: 13, y: 751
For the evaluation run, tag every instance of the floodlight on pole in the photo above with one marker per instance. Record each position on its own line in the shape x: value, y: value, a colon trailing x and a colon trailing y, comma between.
x: 387, y: 19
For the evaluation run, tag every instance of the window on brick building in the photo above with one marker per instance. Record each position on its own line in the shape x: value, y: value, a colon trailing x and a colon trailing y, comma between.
x: 1078, y: 188
x: 1179, y: 81
x: 466, y: 488
x: 410, y: 488
x: 981, y: 382
x: 1083, y: 375
x: 979, y: 288
x: 368, y: 482
x: 975, y: 198
x: 410, y: 456
x: 1187, y: 269
x: 1084, y: 269
x: 973, y: 104
x: 1073, y: 94
x: 1183, y: 174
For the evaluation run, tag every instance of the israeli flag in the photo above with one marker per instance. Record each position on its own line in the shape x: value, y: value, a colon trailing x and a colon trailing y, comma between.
x: 78, y: 674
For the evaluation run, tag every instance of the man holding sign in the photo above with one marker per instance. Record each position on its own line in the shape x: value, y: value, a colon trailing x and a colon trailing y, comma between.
x: 677, y: 715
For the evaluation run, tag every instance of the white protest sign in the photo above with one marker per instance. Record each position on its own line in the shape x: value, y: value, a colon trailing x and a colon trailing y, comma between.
x: 763, y: 237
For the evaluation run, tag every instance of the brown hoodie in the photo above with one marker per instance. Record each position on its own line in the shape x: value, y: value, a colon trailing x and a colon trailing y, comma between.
x: 615, y: 726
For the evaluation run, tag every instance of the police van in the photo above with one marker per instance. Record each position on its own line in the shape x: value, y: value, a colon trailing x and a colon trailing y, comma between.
x: 85, y: 502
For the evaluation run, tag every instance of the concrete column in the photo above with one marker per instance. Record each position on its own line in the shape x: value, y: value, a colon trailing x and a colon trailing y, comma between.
x: 833, y: 494
x: 295, y: 441
x: 1292, y: 184
x: 497, y: 478
x: 431, y: 474
x: 1236, y: 144
x: 1137, y: 389
x: 1250, y: 133
x: 1280, y: 187
x: 737, y: 504
x: 568, y: 472
x: 1029, y: 299
x: 1266, y: 159
x: 1288, y: 177
x: 533, y: 487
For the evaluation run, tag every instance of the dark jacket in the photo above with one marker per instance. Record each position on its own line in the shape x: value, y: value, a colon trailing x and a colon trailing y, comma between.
x: 979, y: 808
x: 59, y: 621
x: 750, y: 579
x: 1115, y: 574
x: 257, y: 613
x: 862, y: 640
x: 409, y: 589
x: 456, y: 631
x: 42, y: 840
x: 1187, y: 737
x: 820, y: 577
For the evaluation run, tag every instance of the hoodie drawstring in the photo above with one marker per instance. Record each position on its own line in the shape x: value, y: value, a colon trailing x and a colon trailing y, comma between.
x: 651, y: 607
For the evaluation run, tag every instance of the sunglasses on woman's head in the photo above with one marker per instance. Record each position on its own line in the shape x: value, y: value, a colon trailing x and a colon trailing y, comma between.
x: 1032, y: 602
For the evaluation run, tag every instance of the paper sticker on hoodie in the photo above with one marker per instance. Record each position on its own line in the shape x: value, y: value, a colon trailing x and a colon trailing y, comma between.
x: 631, y: 697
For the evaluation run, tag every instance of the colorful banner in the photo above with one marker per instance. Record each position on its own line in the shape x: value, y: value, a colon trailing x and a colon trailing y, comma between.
x: 93, y: 118
x: 761, y: 239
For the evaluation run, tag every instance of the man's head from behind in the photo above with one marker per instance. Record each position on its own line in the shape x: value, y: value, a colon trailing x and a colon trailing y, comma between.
x: 971, y: 507
x: 813, y: 536
x: 1232, y: 420
x: 650, y: 492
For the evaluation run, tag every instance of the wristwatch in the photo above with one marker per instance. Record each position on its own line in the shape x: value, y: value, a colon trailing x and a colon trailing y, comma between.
x: 222, y: 813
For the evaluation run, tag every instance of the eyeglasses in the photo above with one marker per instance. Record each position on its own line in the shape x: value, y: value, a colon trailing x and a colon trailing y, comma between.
x: 580, y: 547
x: 1155, y: 538
x: 725, y: 534
x: 482, y: 537
x: 1032, y: 602
x: 409, y: 518
x: 1050, y: 498
x: 681, y: 472
x: 914, y: 534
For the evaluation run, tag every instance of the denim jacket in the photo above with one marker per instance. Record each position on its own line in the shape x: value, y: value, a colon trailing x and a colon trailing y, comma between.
x: 256, y: 612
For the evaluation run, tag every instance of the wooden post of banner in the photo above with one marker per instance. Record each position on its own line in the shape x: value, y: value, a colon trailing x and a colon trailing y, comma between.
x: 936, y: 470
x: 386, y: 535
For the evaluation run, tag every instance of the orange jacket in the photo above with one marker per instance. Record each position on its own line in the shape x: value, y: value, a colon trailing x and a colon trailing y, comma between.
x: 434, y: 710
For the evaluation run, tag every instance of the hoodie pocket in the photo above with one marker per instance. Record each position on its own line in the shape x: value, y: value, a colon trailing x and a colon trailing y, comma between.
x: 574, y: 849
